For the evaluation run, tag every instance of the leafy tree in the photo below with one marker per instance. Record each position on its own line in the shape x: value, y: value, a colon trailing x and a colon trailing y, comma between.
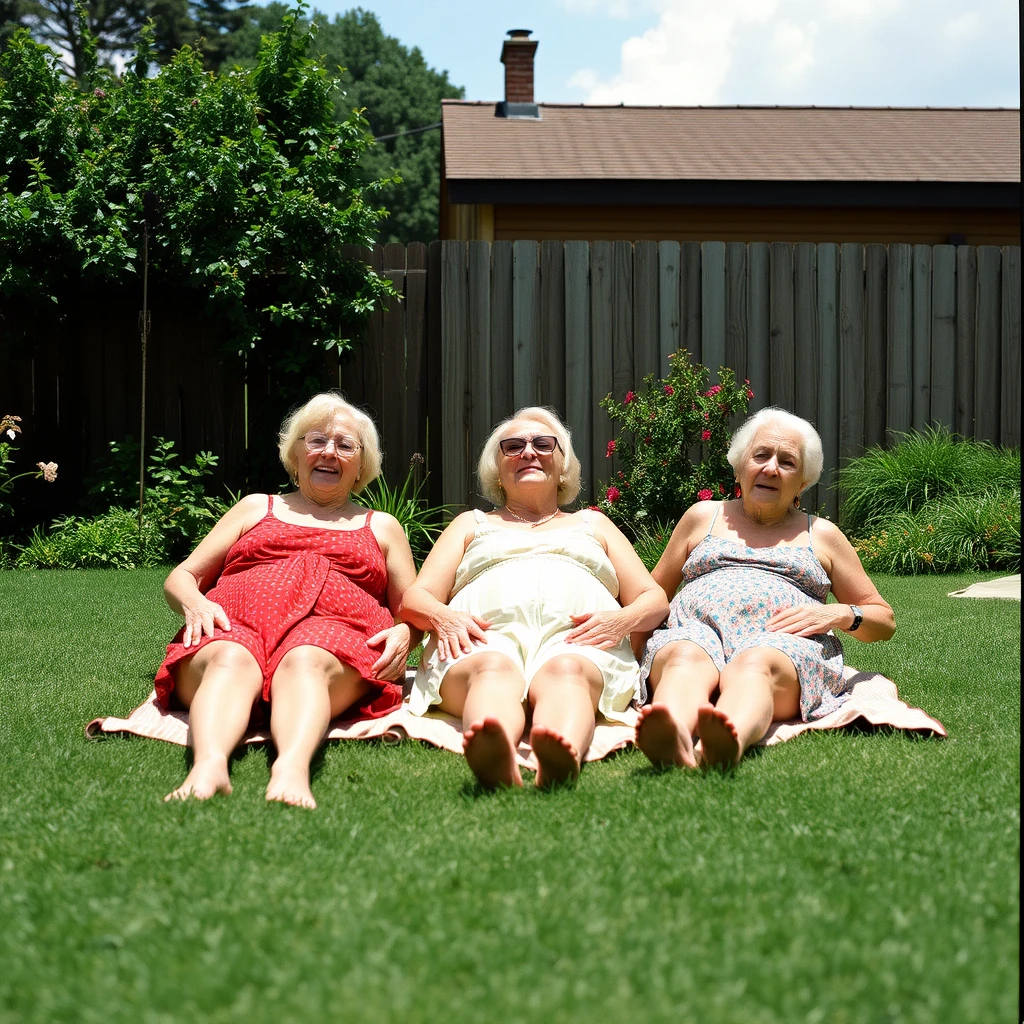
x: 250, y: 187
x: 399, y: 92
x: 12, y: 16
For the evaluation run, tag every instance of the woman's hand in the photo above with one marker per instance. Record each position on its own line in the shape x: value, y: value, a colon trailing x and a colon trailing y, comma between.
x: 810, y: 619
x: 456, y: 632
x: 201, y: 615
x: 396, y: 640
x: 598, y: 629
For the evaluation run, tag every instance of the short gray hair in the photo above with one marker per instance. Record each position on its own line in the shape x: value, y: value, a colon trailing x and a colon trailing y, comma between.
x: 811, y: 456
x: 487, y: 467
x: 317, y: 412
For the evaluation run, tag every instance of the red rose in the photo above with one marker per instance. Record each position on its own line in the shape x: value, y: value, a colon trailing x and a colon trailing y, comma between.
x: 669, y: 390
x: 629, y: 397
x: 612, y: 494
x: 610, y: 451
x: 705, y: 495
x: 705, y: 435
x: 750, y: 394
x: 721, y: 488
x: 713, y: 390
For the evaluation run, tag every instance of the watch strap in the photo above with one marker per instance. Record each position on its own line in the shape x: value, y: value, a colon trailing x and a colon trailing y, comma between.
x: 858, y: 618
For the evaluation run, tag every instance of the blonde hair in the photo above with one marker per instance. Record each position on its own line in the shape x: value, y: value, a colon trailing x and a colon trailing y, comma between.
x: 319, y: 411
x: 487, y: 467
x: 811, y: 456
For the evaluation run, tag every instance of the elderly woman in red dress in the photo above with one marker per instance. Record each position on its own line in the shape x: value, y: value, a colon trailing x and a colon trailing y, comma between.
x: 291, y: 600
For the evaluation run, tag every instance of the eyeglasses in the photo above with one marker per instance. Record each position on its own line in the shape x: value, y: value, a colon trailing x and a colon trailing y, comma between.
x: 544, y: 444
x: 344, y: 447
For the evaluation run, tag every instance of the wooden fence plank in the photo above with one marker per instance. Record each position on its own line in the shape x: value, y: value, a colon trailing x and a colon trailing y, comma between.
x: 736, y: 308
x: 851, y: 349
x: 394, y: 403
x: 1009, y: 401
x: 415, y: 436
x: 478, y: 327
x: 645, y: 311
x: 579, y: 400
x: 943, y: 329
x: 875, y: 356
x: 782, y: 357
x: 502, y: 350
x: 988, y: 344
x: 454, y: 374
x: 433, y: 448
x: 759, y: 324
x: 601, y: 345
x: 551, y: 335
x: 828, y: 376
x: 623, y: 376
x: 669, y: 334
x: 689, y: 299
x: 805, y: 324
x: 921, y: 333
x: 712, y: 304
x: 966, y: 305
x: 525, y: 315
x: 898, y: 297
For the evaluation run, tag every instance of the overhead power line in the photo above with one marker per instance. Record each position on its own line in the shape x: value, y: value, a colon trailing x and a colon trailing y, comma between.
x: 410, y: 131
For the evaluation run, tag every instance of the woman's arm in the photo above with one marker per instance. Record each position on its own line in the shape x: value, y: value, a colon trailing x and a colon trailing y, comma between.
x: 185, y: 586
x: 425, y: 603
x: 643, y: 603
x: 851, y: 585
x: 692, y: 526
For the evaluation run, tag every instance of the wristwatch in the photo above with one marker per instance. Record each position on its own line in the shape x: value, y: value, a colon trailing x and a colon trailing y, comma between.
x: 858, y: 618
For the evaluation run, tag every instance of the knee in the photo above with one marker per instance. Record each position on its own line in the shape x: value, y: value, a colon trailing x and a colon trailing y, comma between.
x: 230, y: 657
x: 566, y: 668
x: 307, y: 661
x: 758, y: 664
x: 489, y: 664
x: 683, y: 658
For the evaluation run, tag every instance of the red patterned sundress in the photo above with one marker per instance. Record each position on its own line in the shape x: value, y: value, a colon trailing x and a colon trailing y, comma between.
x: 285, y: 586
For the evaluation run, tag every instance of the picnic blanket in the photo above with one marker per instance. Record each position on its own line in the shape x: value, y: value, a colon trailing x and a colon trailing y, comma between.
x: 873, y: 702
x: 1006, y: 587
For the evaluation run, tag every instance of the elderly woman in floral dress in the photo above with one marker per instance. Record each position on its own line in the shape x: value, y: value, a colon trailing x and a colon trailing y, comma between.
x: 751, y: 622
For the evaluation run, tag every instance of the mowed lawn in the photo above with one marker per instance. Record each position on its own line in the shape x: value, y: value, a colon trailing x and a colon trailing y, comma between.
x: 844, y: 877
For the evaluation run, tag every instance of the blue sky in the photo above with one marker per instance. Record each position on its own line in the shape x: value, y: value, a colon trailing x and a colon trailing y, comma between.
x: 824, y: 52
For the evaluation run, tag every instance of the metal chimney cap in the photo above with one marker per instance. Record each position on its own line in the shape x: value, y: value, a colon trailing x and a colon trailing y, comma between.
x: 519, y: 33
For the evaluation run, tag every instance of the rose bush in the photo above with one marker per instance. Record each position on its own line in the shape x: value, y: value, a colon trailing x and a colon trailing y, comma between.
x: 671, y: 442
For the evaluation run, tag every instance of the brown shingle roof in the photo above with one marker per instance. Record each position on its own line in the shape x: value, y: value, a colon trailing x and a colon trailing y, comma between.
x: 733, y: 143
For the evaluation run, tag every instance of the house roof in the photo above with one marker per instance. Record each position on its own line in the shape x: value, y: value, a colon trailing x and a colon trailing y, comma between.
x: 770, y: 144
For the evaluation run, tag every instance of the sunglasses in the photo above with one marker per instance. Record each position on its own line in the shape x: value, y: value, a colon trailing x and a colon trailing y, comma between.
x: 543, y: 444
x: 344, y: 446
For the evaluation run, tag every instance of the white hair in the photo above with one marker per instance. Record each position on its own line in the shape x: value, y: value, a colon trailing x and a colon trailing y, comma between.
x: 319, y: 411
x: 487, y: 467
x: 811, y: 456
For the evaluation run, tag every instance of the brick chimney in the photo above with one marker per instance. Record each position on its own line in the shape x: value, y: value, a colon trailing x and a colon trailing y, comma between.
x: 517, y: 55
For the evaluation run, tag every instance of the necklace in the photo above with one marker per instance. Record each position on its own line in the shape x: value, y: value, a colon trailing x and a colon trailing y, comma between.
x: 532, y: 522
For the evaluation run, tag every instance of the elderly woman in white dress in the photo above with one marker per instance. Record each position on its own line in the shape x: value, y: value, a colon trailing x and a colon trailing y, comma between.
x: 529, y: 610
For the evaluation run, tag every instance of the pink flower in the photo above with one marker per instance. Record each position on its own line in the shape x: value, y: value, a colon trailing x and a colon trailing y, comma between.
x: 705, y: 495
x: 49, y: 471
x: 707, y: 415
x: 612, y: 494
x: 593, y: 508
x: 610, y: 450
x: 99, y: 94
x: 713, y: 390
x: 705, y: 435
x: 669, y: 390
x: 629, y: 397
x: 721, y: 488
x: 750, y: 394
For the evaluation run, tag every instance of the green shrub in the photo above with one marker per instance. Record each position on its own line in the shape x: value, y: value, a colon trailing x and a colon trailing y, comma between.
x: 672, y: 440
x: 422, y: 522
x: 108, y: 541
x: 923, y: 466
x: 650, y: 541
x: 953, y: 533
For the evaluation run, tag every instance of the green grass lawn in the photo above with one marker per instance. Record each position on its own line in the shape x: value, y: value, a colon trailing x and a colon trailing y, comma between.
x: 838, y: 878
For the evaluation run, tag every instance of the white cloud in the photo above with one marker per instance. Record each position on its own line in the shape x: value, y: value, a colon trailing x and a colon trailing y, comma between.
x: 893, y: 52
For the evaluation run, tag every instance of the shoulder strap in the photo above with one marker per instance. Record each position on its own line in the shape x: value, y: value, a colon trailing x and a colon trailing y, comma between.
x: 810, y: 522
x: 714, y: 518
x: 586, y: 516
x: 479, y: 516
x: 369, y: 512
x: 270, y: 504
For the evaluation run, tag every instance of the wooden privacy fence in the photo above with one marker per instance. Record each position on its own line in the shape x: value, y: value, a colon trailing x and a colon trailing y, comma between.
x: 862, y: 340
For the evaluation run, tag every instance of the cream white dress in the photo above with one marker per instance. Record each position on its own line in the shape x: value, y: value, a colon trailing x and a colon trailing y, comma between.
x: 528, y: 585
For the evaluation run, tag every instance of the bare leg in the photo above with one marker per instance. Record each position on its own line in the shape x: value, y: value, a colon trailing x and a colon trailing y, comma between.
x: 682, y: 679
x: 487, y: 691
x: 309, y: 688
x: 219, y: 685
x: 564, y: 694
x: 759, y: 686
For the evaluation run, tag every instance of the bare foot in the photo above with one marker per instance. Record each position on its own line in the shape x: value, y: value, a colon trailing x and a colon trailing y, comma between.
x: 557, y: 759
x: 206, y: 778
x: 664, y: 740
x: 719, y: 740
x: 289, y: 784
x: 489, y: 752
